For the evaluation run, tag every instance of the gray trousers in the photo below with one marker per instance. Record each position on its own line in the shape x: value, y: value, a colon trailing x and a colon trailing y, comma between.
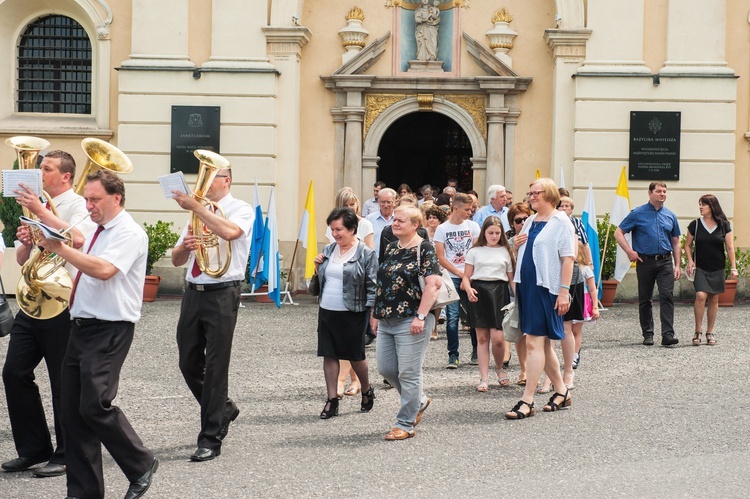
x: 400, y: 356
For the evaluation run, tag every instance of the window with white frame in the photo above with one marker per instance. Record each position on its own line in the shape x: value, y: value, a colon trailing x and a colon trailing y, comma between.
x: 54, y: 67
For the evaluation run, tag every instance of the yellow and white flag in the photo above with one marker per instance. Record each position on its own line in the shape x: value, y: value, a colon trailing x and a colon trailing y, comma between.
x: 620, y: 209
x: 307, y: 233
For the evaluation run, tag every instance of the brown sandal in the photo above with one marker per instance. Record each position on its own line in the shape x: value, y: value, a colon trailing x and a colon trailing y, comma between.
x: 711, y: 339
x: 697, y: 338
x: 399, y: 434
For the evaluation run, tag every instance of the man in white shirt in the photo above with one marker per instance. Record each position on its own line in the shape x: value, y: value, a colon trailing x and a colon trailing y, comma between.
x: 32, y: 339
x: 104, y: 306
x: 453, y: 239
x: 496, y: 207
x: 384, y: 216
x: 209, y: 308
x: 371, y: 205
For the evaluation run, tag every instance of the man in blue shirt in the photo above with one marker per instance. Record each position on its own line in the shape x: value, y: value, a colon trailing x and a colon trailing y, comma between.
x: 496, y: 207
x: 384, y: 216
x: 656, y: 251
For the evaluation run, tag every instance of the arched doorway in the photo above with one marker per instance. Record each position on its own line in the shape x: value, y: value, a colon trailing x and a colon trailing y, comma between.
x: 425, y: 148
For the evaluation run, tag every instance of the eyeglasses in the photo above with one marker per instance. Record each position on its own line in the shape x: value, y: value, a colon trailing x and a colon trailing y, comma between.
x: 533, y: 194
x: 385, y: 203
x: 222, y: 176
x: 519, y: 220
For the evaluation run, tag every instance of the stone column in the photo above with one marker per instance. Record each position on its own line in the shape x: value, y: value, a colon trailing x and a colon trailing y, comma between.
x: 569, y: 49
x: 496, y: 140
x: 159, y: 36
x: 696, y: 37
x: 284, y: 49
x: 353, y: 149
x: 511, y: 119
x: 237, y: 40
x: 339, y: 140
x: 616, y: 43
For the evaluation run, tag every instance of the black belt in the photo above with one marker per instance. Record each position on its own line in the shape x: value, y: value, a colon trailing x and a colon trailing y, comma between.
x: 83, y: 322
x: 656, y: 257
x: 214, y: 286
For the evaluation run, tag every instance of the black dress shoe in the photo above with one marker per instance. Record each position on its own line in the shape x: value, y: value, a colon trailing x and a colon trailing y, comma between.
x: 140, y: 486
x: 225, y: 425
x: 669, y: 340
x: 22, y: 463
x: 648, y: 340
x: 204, y: 454
x: 50, y: 470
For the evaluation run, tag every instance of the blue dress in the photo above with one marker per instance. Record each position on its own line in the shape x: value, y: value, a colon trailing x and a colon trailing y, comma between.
x: 536, y: 305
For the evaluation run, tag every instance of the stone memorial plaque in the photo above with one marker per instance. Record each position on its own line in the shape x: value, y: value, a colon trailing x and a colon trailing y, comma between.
x: 654, y: 145
x: 193, y: 127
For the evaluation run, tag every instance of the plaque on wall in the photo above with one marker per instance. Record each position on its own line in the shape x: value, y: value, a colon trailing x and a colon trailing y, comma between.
x: 654, y: 145
x: 193, y: 127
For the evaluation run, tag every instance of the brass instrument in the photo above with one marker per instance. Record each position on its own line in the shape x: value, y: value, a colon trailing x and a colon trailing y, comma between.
x: 45, y: 286
x: 208, y: 242
x: 102, y: 156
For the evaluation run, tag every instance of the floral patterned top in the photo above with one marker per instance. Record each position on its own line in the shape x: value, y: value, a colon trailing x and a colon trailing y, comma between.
x: 399, y: 293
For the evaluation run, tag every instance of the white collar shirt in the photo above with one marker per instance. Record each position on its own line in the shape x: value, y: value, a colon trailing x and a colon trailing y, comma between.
x: 71, y: 208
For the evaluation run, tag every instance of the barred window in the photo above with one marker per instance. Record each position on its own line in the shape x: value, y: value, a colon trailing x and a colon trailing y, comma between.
x: 54, y: 67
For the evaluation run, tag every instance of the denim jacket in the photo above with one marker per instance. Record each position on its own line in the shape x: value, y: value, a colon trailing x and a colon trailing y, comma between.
x: 360, y: 275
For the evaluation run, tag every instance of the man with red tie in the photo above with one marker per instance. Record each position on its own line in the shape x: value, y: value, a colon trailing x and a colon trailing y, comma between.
x: 33, y: 339
x: 209, y: 310
x: 105, y: 305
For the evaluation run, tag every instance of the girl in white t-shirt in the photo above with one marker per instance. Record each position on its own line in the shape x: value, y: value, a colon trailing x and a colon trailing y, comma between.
x: 488, y: 275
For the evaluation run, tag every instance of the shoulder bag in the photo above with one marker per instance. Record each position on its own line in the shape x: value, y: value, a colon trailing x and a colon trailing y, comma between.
x: 447, y: 293
x: 691, y: 276
x: 6, y: 314
x: 511, y: 323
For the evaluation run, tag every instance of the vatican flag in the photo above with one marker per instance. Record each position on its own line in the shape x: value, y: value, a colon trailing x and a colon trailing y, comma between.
x: 620, y: 209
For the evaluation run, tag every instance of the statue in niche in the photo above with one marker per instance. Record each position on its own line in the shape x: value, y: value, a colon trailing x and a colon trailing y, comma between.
x: 427, y: 21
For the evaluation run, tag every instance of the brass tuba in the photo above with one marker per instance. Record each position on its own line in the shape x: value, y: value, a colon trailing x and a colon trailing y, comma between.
x: 45, y: 286
x: 102, y: 156
x: 208, y: 243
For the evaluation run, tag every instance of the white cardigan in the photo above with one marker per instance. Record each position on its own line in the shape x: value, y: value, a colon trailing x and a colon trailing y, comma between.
x: 556, y: 240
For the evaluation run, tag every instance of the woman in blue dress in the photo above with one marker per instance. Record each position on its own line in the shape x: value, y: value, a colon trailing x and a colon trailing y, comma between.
x: 543, y: 274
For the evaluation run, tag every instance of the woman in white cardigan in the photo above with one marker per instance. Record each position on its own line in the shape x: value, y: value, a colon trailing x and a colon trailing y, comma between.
x: 544, y: 268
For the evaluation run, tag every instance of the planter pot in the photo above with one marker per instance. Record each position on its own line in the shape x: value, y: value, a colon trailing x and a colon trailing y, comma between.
x: 726, y: 299
x: 609, y: 289
x: 150, y: 287
x: 263, y: 298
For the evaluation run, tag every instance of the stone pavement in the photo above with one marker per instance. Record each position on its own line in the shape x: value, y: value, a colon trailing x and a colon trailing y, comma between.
x: 645, y: 421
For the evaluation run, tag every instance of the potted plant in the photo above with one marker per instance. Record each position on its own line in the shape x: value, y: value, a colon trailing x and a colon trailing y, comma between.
x: 10, y: 210
x: 161, y: 238
x: 606, y: 232
x: 741, y: 260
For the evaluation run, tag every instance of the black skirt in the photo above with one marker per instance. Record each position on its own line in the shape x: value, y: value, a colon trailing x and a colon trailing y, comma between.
x: 575, y: 312
x: 709, y: 281
x: 487, y: 311
x: 341, y: 334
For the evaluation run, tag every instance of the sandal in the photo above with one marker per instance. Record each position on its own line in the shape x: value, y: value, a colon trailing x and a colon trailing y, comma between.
x: 521, y: 379
x: 516, y: 413
x: 399, y: 434
x: 353, y: 390
x: 697, y: 338
x: 483, y: 385
x: 553, y: 406
x: 711, y: 339
x: 544, y: 389
x: 502, y: 377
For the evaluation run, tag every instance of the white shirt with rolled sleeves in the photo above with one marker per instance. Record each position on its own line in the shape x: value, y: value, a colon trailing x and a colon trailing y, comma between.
x: 124, y: 244
x: 242, y: 214
x: 72, y: 208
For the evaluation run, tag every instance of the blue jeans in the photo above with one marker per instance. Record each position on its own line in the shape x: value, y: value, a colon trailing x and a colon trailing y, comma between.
x: 400, y: 356
x: 452, y: 313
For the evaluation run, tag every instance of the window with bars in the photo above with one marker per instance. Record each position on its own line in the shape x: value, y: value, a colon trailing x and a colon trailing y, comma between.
x: 54, y: 67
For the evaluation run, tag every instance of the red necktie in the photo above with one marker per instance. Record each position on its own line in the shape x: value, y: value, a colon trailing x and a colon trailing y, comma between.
x: 196, y: 270
x: 48, y: 206
x: 78, y: 276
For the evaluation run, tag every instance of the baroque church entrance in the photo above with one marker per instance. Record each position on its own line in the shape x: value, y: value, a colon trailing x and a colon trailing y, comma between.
x: 425, y: 148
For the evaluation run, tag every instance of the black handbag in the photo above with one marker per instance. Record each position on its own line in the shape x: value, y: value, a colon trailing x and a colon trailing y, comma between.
x: 6, y: 314
x: 313, y: 289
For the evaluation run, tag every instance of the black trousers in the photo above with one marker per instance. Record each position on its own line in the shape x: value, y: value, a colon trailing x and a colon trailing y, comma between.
x: 204, y: 340
x: 661, y: 273
x: 90, y: 378
x: 32, y: 340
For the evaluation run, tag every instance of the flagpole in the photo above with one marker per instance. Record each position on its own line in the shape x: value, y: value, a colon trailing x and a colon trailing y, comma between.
x: 287, y: 293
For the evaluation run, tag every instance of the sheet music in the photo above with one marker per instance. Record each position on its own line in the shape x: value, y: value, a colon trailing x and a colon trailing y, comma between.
x: 12, y: 178
x: 173, y: 182
x: 48, y: 231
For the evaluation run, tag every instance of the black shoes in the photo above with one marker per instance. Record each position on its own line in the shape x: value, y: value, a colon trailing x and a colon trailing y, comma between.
x: 22, y: 463
x: 331, y: 409
x: 140, y: 486
x: 668, y: 340
x: 369, y: 396
x: 225, y: 425
x: 50, y: 470
x: 369, y: 338
x: 205, y: 454
x: 648, y: 339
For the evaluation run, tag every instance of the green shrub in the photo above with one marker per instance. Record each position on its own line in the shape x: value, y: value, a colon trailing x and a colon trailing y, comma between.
x: 161, y: 239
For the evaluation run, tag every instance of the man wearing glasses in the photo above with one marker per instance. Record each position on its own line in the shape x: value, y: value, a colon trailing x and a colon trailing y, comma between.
x: 384, y: 216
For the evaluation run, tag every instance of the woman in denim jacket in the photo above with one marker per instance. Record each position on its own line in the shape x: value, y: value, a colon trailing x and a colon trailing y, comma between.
x: 347, y: 270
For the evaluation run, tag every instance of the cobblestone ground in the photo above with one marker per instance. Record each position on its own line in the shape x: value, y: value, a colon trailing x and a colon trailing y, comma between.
x: 645, y: 421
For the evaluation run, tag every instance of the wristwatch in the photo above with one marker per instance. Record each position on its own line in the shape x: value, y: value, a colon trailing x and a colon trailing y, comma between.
x: 421, y: 317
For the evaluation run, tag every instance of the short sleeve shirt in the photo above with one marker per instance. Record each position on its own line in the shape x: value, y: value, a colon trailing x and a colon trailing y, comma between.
x: 652, y: 229
x: 709, y: 246
x: 490, y: 263
x: 457, y: 241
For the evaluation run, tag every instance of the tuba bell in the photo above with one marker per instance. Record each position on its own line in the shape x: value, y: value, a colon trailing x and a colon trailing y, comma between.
x: 102, y: 156
x: 45, y: 286
x: 208, y: 254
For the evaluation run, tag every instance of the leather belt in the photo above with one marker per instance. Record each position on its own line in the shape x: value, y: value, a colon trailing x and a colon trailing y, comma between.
x: 214, y: 286
x: 656, y: 257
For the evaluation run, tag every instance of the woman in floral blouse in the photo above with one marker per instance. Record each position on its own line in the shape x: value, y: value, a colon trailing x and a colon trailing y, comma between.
x: 402, y: 317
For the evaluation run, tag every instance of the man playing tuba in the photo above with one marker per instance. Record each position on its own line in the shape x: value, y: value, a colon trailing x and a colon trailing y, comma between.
x: 32, y: 340
x: 209, y: 307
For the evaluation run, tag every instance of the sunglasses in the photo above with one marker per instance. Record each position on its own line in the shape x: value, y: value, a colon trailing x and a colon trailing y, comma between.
x: 519, y: 220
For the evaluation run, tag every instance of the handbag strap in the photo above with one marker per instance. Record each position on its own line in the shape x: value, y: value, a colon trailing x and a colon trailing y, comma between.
x: 3, y: 288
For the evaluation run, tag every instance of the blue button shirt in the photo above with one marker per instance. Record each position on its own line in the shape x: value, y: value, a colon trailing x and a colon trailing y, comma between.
x: 652, y: 229
x: 486, y: 211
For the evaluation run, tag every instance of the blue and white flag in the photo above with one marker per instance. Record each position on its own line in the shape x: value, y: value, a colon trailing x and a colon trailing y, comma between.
x: 256, y: 244
x: 271, y: 245
x: 589, y: 223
